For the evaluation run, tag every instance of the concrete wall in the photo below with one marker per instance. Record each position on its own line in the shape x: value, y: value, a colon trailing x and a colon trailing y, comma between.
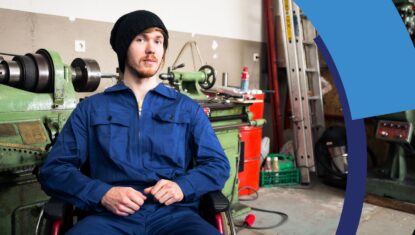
x: 238, y: 19
x: 25, y: 32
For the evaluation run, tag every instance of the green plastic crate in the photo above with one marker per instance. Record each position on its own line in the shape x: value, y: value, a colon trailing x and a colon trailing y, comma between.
x: 286, y: 176
x: 281, y: 178
x: 285, y: 162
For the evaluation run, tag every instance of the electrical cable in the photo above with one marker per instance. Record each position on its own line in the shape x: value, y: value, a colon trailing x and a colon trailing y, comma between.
x: 250, y: 198
x: 284, y: 217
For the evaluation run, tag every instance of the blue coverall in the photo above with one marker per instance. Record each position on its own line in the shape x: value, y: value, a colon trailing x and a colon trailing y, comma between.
x: 123, y: 147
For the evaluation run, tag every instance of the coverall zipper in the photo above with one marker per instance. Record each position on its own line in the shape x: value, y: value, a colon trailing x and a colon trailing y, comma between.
x: 139, y: 122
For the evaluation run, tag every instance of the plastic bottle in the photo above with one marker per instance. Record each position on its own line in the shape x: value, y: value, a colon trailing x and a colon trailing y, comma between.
x: 245, y: 79
x: 268, y: 167
x: 275, y: 165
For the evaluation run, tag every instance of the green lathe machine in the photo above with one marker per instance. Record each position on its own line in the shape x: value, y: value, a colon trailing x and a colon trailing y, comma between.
x: 396, y: 178
x: 227, y: 112
x: 37, y: 95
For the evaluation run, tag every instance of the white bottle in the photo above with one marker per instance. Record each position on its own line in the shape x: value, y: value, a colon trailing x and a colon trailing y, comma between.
x: 275, y: 165
x: 268, y: 167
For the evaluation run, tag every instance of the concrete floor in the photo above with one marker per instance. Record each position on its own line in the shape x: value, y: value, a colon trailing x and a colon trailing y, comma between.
x: 316, y: 210
x: 379, y: 220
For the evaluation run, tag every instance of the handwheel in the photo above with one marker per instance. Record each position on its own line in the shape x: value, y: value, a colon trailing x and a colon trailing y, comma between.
x: 210, y: 77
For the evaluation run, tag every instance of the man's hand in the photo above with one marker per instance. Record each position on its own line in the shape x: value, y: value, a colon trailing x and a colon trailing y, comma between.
x: 166, y: 192
x: 123, y: 201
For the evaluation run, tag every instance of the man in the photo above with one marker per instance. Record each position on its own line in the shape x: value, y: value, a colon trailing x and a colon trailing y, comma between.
x: 137, y: 140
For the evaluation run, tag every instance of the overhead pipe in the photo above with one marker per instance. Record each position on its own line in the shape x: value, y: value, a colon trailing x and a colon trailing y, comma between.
x: 272, y: 74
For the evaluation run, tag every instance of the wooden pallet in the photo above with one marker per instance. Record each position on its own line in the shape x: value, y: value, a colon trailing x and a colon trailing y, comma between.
x: 390, y: 203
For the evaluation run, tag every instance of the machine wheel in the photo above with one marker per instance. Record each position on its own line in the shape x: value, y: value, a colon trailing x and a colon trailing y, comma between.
x: 43, y: 71
x: 87, y: 75
x: 28, y: 73
x: 210, y: 77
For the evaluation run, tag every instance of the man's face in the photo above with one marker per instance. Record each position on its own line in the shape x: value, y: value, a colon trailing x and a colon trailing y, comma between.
x: 145, y: 54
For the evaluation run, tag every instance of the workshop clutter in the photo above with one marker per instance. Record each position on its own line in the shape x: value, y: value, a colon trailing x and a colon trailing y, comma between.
x: 245, y: 79
x: 279, y: 170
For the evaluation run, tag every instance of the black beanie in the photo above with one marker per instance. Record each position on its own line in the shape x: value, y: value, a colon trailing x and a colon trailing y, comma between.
x: 128, y: 27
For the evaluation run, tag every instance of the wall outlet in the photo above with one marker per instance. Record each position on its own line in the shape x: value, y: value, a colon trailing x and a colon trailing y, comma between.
x: 255, y: 57
x: 80, y: 46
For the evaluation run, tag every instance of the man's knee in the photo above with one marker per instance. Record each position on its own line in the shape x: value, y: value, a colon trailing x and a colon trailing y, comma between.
x: 105, y: 224
x: 89, y: 225
x: 181, y: 221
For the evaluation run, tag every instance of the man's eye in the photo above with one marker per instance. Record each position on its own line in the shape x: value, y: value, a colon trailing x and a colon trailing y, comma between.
x: 140, y: 39
x: 159, y: 42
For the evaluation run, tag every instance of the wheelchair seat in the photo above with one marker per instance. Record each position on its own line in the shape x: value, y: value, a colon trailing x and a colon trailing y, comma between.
x: 214, y: 208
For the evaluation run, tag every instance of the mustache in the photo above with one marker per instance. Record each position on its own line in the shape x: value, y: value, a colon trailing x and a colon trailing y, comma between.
x: 150, y: 58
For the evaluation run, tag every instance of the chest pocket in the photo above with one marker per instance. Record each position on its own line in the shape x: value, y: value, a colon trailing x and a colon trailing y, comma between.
x: 111, y: 132
x: 180, y: 118
x: 170, y: 139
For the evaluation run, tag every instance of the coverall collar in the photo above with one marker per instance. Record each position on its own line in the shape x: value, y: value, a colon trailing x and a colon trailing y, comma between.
x: 159, y: 89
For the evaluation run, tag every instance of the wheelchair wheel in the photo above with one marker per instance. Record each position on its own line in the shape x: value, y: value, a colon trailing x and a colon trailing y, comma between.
x: 228, y: 225
x: 44, y: 228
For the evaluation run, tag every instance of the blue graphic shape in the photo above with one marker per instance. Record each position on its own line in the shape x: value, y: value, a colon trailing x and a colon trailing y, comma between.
x: 357, y: 155
x: 372, y: 51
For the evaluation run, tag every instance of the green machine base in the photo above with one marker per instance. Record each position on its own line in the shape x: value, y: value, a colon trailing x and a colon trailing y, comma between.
x: 399, y: 190
x: 396, y: 177
x: 37, y: 95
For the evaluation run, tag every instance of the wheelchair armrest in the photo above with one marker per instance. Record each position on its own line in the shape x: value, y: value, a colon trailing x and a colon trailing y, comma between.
x: 215, y: 200
x: 55, y: 209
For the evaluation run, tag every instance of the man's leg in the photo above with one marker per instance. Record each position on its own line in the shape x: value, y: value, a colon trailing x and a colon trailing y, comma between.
x: 171, y: 220
x: 110, y: 224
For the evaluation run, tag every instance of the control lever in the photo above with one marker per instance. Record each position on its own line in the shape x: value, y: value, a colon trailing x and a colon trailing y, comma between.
x: 178, y: 66
x: 169, y: 76
x: 166, y: 76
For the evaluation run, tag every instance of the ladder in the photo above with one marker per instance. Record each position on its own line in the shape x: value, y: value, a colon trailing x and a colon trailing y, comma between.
x: 313, y: 78
x: 304, y: 83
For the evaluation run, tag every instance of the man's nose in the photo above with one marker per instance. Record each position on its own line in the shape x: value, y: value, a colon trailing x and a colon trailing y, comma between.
x: 150, y: 48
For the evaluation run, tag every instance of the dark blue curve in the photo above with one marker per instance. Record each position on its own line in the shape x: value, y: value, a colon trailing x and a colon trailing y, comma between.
x: 356, y: 141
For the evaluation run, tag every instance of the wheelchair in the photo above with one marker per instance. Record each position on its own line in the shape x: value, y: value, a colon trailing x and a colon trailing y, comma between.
x: 214, y: 208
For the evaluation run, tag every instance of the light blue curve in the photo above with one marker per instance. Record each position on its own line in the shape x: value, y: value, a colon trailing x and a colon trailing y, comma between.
x: 372, y: 51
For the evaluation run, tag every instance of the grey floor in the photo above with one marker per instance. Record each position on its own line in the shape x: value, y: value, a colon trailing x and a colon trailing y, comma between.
x: 316, y: 210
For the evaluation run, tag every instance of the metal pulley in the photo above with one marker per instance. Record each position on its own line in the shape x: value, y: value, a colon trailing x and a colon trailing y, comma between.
x: 30, y: 72
x: 86, y: 75
x: 36, y: 72
x: 28, y: 76
x: 2, y: 71
x: 45, y: 70
x: 9, y: 72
